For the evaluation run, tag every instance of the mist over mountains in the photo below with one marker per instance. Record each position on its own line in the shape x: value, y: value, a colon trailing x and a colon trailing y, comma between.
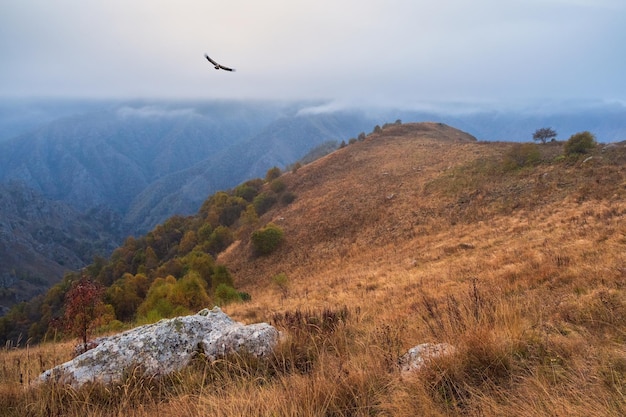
x: 77, y: 177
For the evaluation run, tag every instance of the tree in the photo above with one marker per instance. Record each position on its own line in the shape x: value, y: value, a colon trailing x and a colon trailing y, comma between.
x: 544, y: 134
x: 84, y: 308
x: 126, y: 295
x: 190, y: 292
x: 580, y: 143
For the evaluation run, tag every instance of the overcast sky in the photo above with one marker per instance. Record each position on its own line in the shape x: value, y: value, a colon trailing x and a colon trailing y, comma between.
x: 385, y: 51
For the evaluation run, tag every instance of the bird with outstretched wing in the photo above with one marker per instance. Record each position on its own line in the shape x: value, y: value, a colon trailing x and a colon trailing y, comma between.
x: 218, y: 66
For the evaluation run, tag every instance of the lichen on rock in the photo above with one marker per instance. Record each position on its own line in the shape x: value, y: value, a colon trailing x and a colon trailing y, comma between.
x: 165, y: 347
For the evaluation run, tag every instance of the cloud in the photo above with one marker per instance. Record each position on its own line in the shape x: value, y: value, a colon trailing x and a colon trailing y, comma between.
x: 154, y: 112
x: 377, y: 50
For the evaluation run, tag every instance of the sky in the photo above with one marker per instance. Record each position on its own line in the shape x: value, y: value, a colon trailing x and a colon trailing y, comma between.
x: 390, y: 52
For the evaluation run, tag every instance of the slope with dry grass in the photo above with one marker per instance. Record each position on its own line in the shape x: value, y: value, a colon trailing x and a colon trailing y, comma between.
x: 417, y: 234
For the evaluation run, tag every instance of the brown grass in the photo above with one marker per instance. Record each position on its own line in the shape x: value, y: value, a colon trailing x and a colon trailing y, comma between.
x: 414, y: 235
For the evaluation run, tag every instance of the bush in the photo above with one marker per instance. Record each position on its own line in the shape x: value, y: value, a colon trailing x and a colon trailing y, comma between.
x: 267, y: 239
x: 263, y: 202
x: 225, y: 294
x: 272, y: 174
x: 580, y: 143
x: 282, y: 282
x: 521, y: 155
x: 278, y: 186
x: 295, y: 167
x: 287, y: 198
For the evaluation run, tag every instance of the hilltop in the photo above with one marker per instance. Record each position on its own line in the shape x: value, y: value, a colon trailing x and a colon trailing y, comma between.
x: 512, y: 253
x: 415, y: 198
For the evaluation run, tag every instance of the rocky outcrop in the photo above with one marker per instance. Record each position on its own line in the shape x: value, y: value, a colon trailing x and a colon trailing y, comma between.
x: 165, y: 347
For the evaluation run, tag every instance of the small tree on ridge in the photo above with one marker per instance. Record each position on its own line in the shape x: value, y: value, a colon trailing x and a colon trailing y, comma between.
x: 544, y: 134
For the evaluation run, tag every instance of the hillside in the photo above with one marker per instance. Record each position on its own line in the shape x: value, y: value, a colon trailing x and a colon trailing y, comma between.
x: 512, y: 253
x: 422, y: 197
x: 142, y: 162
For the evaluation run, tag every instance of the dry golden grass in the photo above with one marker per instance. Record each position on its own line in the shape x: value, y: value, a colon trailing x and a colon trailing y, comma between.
x: 414, y: 235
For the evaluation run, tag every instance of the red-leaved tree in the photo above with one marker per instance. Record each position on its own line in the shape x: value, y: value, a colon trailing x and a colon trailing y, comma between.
x: 83, y: 307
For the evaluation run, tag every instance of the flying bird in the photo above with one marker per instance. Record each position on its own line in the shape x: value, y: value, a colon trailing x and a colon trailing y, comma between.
x: 218, y: 66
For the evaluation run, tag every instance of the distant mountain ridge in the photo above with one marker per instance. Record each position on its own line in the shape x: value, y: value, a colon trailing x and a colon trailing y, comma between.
x: 41, y: 239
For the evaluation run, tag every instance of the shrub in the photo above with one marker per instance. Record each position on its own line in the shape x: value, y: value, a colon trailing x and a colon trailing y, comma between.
x: 282, y: 282
x: 267, y: 239
x: 521, y: 155
x: 580, y: 143
x: 287, y: 198
x: 272, y: 174
x: 295, y: 167
x: 263, y: 202
x: 278, y: 186
x: 225, y: 294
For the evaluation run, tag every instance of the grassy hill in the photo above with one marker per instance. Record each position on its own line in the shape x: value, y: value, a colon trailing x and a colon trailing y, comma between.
x: 513, y: 253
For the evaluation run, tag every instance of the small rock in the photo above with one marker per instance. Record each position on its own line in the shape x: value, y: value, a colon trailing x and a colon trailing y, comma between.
x: 417, y: 356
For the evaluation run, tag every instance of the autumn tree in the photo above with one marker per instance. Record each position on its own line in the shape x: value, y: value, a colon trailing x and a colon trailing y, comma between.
x: 187, y: 243
x: 126, y: 295
x: 190, y: 292
x: 84, y: 308
x: 169, y: 297
x: 544, y: 134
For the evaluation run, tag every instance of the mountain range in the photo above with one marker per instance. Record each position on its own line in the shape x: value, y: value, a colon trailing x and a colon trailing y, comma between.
x: 83, y: 175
